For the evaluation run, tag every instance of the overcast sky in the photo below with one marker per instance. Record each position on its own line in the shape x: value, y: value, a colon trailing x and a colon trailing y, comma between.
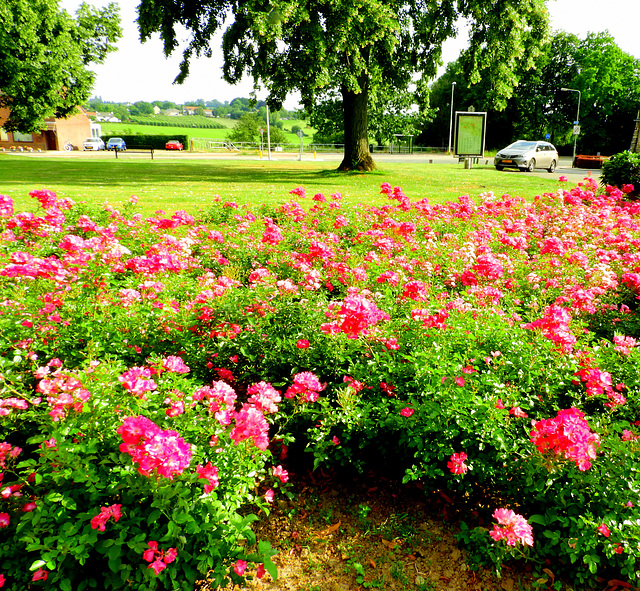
x: 140, y: 72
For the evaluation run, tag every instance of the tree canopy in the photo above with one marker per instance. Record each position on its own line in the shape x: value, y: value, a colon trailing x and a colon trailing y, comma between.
x: 352, y: 47
x: 44, y: 58
x: 391, y: 112
x: 607, y: 78
x: 248, y: 127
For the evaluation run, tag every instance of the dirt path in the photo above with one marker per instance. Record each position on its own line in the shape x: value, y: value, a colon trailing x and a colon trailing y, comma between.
x: 371, y: 534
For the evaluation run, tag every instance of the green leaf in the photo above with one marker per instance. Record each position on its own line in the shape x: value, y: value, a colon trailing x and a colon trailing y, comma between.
x: 264, y: 548
x: 271, y: 568
x: 37, y: 564
x: 181, y: 517
x: 537, y: 519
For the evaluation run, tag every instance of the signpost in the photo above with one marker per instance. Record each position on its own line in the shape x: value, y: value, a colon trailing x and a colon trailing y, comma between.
x: 470, y: 133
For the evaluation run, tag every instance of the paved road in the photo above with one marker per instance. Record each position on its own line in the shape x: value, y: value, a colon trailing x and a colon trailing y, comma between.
x: 564, y: 166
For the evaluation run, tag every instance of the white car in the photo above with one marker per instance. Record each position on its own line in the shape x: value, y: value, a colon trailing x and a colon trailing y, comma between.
x: 528, y: 156
x: 93, y: 143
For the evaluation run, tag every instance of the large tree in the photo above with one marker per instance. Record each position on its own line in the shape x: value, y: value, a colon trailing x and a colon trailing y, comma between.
x: 607, y: 78
x: 390, y: 112
x: 609, y: 82
x: 351, y: 46
x: 535, y: 109
x: 44, y: 58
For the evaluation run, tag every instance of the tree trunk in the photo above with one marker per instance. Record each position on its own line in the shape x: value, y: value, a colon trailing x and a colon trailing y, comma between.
x: 356, y: 140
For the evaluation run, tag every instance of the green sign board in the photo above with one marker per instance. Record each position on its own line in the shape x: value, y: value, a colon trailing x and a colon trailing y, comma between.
x: 470, y: 134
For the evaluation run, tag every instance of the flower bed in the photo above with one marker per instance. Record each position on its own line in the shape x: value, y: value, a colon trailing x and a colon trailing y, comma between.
x: 155, y: 372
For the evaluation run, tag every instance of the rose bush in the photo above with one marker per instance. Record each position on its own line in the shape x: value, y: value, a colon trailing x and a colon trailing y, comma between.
x: 156, y: 370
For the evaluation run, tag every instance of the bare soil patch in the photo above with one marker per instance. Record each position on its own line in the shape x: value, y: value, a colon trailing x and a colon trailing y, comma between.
x: 372, y: 533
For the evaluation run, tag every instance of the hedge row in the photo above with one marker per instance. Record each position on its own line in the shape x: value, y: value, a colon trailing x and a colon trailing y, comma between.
x: 157, y: 142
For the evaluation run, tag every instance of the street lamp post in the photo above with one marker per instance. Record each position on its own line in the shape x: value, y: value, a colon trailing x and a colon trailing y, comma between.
x: 577, y: 122
x: 268, y: 136
x: 453, y: 84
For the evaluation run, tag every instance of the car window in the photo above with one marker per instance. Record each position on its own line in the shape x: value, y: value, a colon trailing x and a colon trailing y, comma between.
x: 522, y: 145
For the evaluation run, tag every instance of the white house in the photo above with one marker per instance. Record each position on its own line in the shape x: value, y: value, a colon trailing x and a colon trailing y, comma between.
x: 109, y: 117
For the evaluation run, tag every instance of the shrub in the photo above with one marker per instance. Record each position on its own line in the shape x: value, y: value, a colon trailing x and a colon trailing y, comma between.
x: 489, y: 349
x: 145, y: 141
x: 98, y: 494
x: 247, y: 130
x: 622, y: 169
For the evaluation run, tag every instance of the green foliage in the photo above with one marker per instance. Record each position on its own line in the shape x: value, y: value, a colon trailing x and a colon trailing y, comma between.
x: 83, y: 471
x: 44, y: 54
x: 390, y: 112
x: 247, y: 130
x: 430, y: 330
x: 141, y: 108
x: 327, y: 119
x: 622, y: 169
x: 352, y: 48
x: 608, y: 79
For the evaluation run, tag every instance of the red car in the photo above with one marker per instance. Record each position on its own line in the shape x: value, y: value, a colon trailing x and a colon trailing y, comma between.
x: 173, y: 145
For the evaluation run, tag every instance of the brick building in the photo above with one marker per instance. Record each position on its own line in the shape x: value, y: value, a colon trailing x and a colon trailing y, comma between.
x: 59, y: 134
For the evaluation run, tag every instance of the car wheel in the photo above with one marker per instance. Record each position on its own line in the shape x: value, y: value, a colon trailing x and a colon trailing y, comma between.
x: 531, y: 165
x: 499, y: 168
x: 552, y: 166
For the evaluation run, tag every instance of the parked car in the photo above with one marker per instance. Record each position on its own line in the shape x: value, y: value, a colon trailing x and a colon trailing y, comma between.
x: 173, y: 145
x: 116, y: 143
x: 93, y: 143
x: 527, y: 155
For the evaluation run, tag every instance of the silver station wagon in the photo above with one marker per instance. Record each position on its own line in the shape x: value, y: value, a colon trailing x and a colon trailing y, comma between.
x: 525, y: 155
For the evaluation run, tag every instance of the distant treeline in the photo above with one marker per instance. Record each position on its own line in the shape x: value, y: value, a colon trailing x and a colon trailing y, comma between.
x: 215, y: 109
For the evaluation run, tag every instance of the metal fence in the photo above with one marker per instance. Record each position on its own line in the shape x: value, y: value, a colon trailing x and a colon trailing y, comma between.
x: 204, y: 145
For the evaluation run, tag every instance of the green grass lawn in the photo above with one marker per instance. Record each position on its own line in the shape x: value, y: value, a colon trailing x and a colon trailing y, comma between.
x: 190, y: 184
